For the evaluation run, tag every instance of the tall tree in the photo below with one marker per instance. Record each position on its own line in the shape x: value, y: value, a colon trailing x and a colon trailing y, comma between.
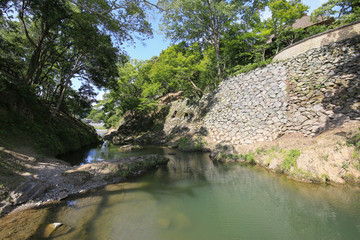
x: 283, y: 14
x: 180, y: 67
x: 71, y: 38
x: 348, y: 10
x: 198, y: 21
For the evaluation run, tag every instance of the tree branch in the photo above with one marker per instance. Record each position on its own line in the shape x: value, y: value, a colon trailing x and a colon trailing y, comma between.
x: 21, y: 16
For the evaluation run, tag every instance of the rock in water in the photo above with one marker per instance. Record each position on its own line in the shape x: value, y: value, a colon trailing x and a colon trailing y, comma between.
x: 50, y: 228
x: 128, y: 148
x: 164, y: 223
x: 182, y: 221
x: 55, y: 229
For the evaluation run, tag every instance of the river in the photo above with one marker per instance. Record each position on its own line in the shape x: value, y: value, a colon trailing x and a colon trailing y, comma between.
x: 194, y: 199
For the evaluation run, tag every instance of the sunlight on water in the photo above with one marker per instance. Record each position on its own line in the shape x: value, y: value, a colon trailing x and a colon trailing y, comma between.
x: 191, y: 198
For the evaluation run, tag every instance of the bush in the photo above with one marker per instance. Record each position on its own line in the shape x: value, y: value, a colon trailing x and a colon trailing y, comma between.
x: 251, y: 66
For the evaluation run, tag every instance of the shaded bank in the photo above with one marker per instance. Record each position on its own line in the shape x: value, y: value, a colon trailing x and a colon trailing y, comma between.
x: 27, y: 124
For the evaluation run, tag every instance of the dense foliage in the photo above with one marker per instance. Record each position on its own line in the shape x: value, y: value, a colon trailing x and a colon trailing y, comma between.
x: 45, y: 45
x: 211, y: 40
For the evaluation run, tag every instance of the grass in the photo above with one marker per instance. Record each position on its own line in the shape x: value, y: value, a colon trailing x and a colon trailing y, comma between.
x: 191, y: 144
x: 345, y: 166
x: 325, y: 177
x: 248, y: 157
x: 273, y: 152
x: 290, y: 159
x: 251, y: 66
x: 354, y: 141
x: 324, y: 157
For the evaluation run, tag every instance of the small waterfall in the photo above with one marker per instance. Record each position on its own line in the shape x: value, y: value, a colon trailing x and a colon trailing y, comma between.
x: 105, y: 145
x: 104, y: 151
x: 98, y: 155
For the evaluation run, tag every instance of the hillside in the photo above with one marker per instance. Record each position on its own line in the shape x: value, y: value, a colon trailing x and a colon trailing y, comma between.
x: 27, y: 125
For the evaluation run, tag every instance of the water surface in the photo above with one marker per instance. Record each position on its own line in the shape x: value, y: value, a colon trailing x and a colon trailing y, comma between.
x: 193, y: 199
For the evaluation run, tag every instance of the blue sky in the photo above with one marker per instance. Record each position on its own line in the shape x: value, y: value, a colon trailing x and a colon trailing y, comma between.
x: 144, y: 50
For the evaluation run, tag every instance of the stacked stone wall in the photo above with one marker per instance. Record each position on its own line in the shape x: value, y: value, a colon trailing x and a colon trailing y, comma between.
x: 308, y: 94
x: 249, y: 107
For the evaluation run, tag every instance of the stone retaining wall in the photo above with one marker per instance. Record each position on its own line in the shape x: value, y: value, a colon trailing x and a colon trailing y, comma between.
x: 308, y: 94
x: 249, y: 107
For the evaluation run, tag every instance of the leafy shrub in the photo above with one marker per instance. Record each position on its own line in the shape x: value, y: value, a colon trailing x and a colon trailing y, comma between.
x: 251, y: 66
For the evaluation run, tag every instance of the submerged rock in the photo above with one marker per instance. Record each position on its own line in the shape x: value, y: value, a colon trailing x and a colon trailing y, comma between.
x: 182, y: 221
x: 54, y: 230
x: 128, y: 148
x: 164, y: 223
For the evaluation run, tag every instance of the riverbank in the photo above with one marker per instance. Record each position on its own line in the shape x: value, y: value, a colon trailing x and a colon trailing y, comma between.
x: 29, y: 181
x: 331, y: 157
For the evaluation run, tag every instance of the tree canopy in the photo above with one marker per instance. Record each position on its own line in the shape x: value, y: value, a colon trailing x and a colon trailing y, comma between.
x: 200, y: 21
x: 54, y: 42
x: 344, y: 10
x: 45, y: 45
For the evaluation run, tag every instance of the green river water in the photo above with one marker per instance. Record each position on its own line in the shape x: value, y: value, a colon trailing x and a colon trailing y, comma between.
x: 194, y: 199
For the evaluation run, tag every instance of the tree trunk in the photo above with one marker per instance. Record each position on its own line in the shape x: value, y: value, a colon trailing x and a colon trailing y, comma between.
x: 194, y: 86
x: 63, y: 90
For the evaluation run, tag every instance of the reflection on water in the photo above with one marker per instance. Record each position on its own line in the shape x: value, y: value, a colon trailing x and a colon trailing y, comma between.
x: 103, y: 152
x: 191, y: 198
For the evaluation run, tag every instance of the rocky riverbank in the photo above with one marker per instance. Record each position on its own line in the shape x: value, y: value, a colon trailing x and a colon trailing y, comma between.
x: 331, y: 157
x: 28, y: 181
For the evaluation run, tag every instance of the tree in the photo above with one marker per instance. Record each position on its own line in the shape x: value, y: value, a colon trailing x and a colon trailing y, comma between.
x: 346, y: 10
x: 283, y: 14
x: 12, y: 55
x: 79, y: 103
x: 179, y: 68
x: 70, y: 38
x: 245, y: 43
x: 198, y: 21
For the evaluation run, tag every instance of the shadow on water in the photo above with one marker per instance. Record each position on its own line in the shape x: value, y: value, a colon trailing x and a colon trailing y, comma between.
x: 191, y: 198
x: 190, y: 166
